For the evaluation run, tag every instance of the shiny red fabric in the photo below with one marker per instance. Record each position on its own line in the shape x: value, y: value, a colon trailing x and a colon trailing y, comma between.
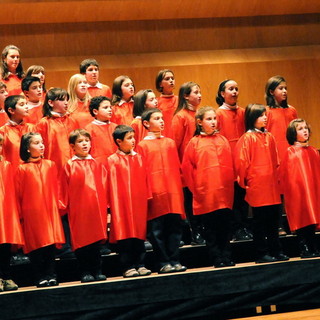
x: 102, y: 143
x: 129, y: 195
x: 84, y: 197
x: 55, y: 133
x: 12, y: 138
x: 168, y: 105
x: 34, y: 115
x: 256, y: 162
x: 139, y: 130
x: 163, y: 167
x: 123, y: 114
x: 104, y: 91
x: 208, y: 172
x: 3, y: 118
x: 82, y: 115
x: 278, y: 120
x: 13, y: 84
x: 299, y: 177
x: 37, y: 194
x: 10, y: 228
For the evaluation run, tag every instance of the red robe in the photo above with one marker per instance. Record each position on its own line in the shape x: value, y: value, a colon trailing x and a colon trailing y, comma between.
x: 231, y: 124
x: 55, y: 133
x: 100, y: 90
x: 139, y: 130
x: 208, y: 171
x: 84, y: 196
x: 299, y: 176
x: 123, y: 113
x: 35, y: 113
x: 183, y: 128
x: 168, y: 105
x: 3, y: 117
x: 129, y: 195
x: 278, y: 120
x: 10, y: 227
x: 37, y: 195
x: 256, y: 162
x: 102, y: 143
x: 12, y: 138
x: 82, y: 115
x: 163, y: 167
x: 13, y: 84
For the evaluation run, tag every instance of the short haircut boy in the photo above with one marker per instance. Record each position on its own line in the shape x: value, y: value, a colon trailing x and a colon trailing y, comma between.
x: 292, y: 130
x: 252, y: 113
x: 87, y: 63
x: 120, y: 132
x: 27, y: 81
x: 75, y: 134
x: 146, y: 115
x: 95, y: 103
x: 11, y: 102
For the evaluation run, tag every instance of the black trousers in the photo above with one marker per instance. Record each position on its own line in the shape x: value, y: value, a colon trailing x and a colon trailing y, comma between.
x: 5, y: 256
x: 131, y: 253
x: 265, y: 226
x: 89, y: 259
x: 165, y: 235
x: 43, y: 262
x: 217, y: 233
x: 240, y: 209
x: 306, y: 235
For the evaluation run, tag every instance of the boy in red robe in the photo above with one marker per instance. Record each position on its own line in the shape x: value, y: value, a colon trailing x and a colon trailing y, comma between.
x: 84, y: 197
x: 101, y: 129
x: 129, y: 203
x: 165, y: 211
x: 17, y: 110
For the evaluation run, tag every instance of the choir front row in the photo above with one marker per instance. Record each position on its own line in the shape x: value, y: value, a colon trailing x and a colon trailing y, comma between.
x: 142, y: 187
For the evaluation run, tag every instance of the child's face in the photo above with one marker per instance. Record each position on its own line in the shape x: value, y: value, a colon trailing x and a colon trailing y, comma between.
x: 82, y: 88
x: 92, y: 75
x: 104, y: 113
x: 12, y: 59
x: 3, y: 95
x: 127, y: 89
x: 34, y: 93
x: 231, y: 92
x: 36, y: 147
x: 128, y: 142
x: 40, y: 75
x: 20, y: 111
x: 194, y: 98
x: 261, y: 122
x: 168, y: 83
x: 280, y: 92
x: 156, y: 122
x: 82, y: 146
x: 151, y: 101
x: 209, y: 122
x: 60, y: 106
x: 302, y: 132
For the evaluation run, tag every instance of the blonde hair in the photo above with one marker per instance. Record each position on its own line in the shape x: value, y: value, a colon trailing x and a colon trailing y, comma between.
x: 72, y: 86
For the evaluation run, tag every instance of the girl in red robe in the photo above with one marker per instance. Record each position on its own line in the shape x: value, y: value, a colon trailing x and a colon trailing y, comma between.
x: 299, y: 175
x: 165, y: 211
x: 142, y: 100
x: 167, y: 102
x: 208, y: 172
x: 10, y: 228
x: 256, y: 162
x: 122, y: 92
x: 37, y: 197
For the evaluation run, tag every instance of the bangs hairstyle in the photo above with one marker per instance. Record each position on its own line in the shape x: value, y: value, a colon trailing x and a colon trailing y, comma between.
x: 87, y: 63
x: 139, y: 101
x: 185, y: 90
x: 271, y: 85
x: 95, y: 103
x: 200, y: 115
x: 116, y: 88
x: 2, y: 85
x: 11, y: 102
x: 27, y: 81
x: 252, y: 113
x: 222, y: 87
x: 291, y: 133
x: 160, y: 77
x: 36, y: 69
x: 120, y: 132
x: 75, y: 134
x: 53, y: 94
x: 4, y: 66
x: 25, y: 144
x: 146, y: 115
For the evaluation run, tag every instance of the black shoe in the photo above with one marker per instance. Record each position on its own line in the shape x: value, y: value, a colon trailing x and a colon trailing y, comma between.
x: 218, y: 263
x: 168, y: 268
x: 241, y: 235
x: 53, y: 282
x: 305, y: 252
x: 197, y: 239
x: 282, y: 257
x: 147, y: 245
x: 228, y: 263
x: 179, y: 267
x: 100, y: 277
x: 265, y: 259
x: 104, y: 251
x: 87, y: 278
x: 181, y: 244
x: 42, y: 283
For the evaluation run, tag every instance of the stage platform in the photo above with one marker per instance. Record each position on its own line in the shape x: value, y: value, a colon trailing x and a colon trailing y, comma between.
x: 201, y: 293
